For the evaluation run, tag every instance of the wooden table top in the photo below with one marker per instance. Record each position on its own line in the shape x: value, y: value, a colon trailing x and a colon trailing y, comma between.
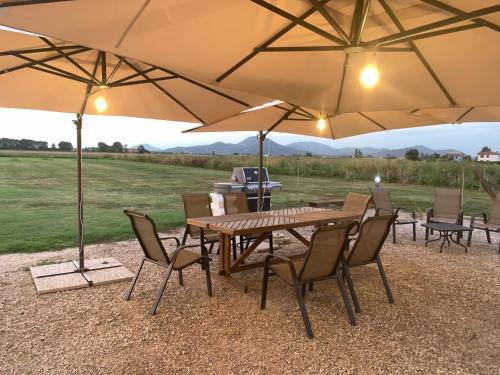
x: 268, y: 221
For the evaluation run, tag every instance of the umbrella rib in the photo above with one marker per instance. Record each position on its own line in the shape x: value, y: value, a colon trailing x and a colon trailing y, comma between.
x: 142, y: 81
x: 28, y: 2
x: 434, y: 25
x: 268, y: 42
x: 164, y: 91
x: 50, y: 67
x: 132, y: 23
x: 373, y: 121
x: 132, y: 76
x: 38, y: 50
x: 68, y: 58
x: 419, y: 54
x: 299, y: 21
x: 361, y: 26
x: 341, y: 88
x: 283, y: 118
x: 328, y: 17
x: 464, y: 114
x: 302, y: 48
x: 36, y: 62
x: 48, y: 71
x: 331, y: 127
x: 115, y: 69
x: 459, y: 12
x: 193, y: 82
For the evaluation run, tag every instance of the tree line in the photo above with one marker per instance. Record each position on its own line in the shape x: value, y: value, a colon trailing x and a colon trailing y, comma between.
x: 31, y: 145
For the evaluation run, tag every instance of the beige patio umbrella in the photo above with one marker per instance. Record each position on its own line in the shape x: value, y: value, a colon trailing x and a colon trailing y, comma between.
x: 426, y: 53
x: 288, y: 118
x: 46, y: 74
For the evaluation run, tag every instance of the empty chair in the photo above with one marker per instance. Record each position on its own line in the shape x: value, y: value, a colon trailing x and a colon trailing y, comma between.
x: 372, y: 235
x: 154, y: 252
x: 447, y: 208
x: 357, y: 204
x: 198, y: 205
x: 237, y: 203
x: 320, y: 262
x: 382, y: 202
x: 491, y: 222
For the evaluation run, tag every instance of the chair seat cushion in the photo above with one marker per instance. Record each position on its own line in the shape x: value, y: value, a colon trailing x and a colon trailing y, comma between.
x: 185, y: 258
x: 283, y: 270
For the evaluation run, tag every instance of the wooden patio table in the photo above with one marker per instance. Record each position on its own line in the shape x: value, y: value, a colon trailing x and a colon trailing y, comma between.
x: 261, y: 224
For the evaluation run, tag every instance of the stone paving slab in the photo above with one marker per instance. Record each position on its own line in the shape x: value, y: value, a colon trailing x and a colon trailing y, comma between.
x: 109, y: 275
x: 51, y: 284
x: 52, y: 269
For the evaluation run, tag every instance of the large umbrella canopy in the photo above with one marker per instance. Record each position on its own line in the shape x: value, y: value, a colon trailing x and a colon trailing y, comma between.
x: 47, y: 74
x: 429, y: 53
x: 42, y: 73
x: 289, y: 118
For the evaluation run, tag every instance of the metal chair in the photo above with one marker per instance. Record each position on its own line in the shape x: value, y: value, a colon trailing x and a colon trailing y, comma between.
x: 198, y: 205
x: 372, y: 235
x: 321, y: 262
x: 447, y: 208
x: 382, y: 201
x: 491, y: 222
x: 154, y: 252
x: 237, y: 203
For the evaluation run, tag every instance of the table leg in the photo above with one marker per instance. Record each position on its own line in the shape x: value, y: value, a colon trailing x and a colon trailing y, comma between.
x: 445, y: 238
x: 458, y: 241
x: 434, y: 240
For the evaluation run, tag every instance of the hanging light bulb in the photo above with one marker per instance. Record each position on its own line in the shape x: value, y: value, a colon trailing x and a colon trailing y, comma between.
x: 369, y: 76
x: 100, y: 104
x: 321, y: 124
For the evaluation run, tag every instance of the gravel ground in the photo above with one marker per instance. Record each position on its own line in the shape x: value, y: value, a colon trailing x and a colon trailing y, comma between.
x: 445, y: 319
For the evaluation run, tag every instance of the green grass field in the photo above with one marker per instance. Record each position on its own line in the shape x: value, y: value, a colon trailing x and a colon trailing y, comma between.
x: 38, y: 210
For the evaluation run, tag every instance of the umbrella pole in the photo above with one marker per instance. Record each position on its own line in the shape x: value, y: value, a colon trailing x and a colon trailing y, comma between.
x: 261, y: 137
x: 81, y: 246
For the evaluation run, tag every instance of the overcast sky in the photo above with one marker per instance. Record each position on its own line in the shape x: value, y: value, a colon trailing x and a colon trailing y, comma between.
x: 54, y: 127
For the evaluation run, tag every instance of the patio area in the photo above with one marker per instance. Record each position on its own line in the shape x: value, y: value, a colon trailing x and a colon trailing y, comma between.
x: 444, y: 319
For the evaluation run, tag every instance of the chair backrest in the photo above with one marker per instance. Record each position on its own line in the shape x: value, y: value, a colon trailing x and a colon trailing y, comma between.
x: 235, y: 203
x: 196, y: 205
x: 145, y: 230
x: 326, y: 245
x: 447, y: 203
x: 494, y: 217
x: 382, y: 200
x: 356, y: 203
x: 372, y: 234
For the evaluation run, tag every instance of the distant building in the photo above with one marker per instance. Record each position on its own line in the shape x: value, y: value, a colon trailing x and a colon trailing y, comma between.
x: 489, y: 156
x: 455, y: 155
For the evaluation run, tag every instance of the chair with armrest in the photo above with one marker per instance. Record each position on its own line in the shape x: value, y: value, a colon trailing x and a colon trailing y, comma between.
x: 447, y: 208
x: 198, y: 205
x: 154, y: 252
x: 383, y: 203
x: 237, y: 203
x: 321, y: 262
x: 366, y: 250
x: 490, y: 222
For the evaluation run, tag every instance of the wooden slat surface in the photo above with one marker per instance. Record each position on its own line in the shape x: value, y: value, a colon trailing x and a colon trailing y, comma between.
x: 267, y: 221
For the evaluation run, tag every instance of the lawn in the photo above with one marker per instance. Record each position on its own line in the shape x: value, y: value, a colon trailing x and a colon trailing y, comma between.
x: 37, y: 196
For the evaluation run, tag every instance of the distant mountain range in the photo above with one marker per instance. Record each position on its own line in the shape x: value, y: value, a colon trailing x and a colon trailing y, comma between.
x: 249, y: 147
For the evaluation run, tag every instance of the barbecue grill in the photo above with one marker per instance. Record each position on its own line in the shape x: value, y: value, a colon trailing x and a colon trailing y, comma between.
x: 246, y: 179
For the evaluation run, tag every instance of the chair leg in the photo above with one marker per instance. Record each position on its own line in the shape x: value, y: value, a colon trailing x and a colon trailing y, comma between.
x: 384, y: 279
x: 134, y: 280
x: 242, y: 247
x: 426, y: 234
x: 393, y: 233
x: 350, y: 284
x: 271, y: 243
x: 414, y: 231
x: 303, y: 311
x: 488, y: 237
x: 311, y: 286
x: 233, y: 245
x: 184, y: 236
x: 264, y: 287
x: 161, y: 290
x: 206, y: 264
x: 469, y: 238
x: 303, y: 290
x: 181, y: 279
x: 347, y: 304
x: 210, y: 249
